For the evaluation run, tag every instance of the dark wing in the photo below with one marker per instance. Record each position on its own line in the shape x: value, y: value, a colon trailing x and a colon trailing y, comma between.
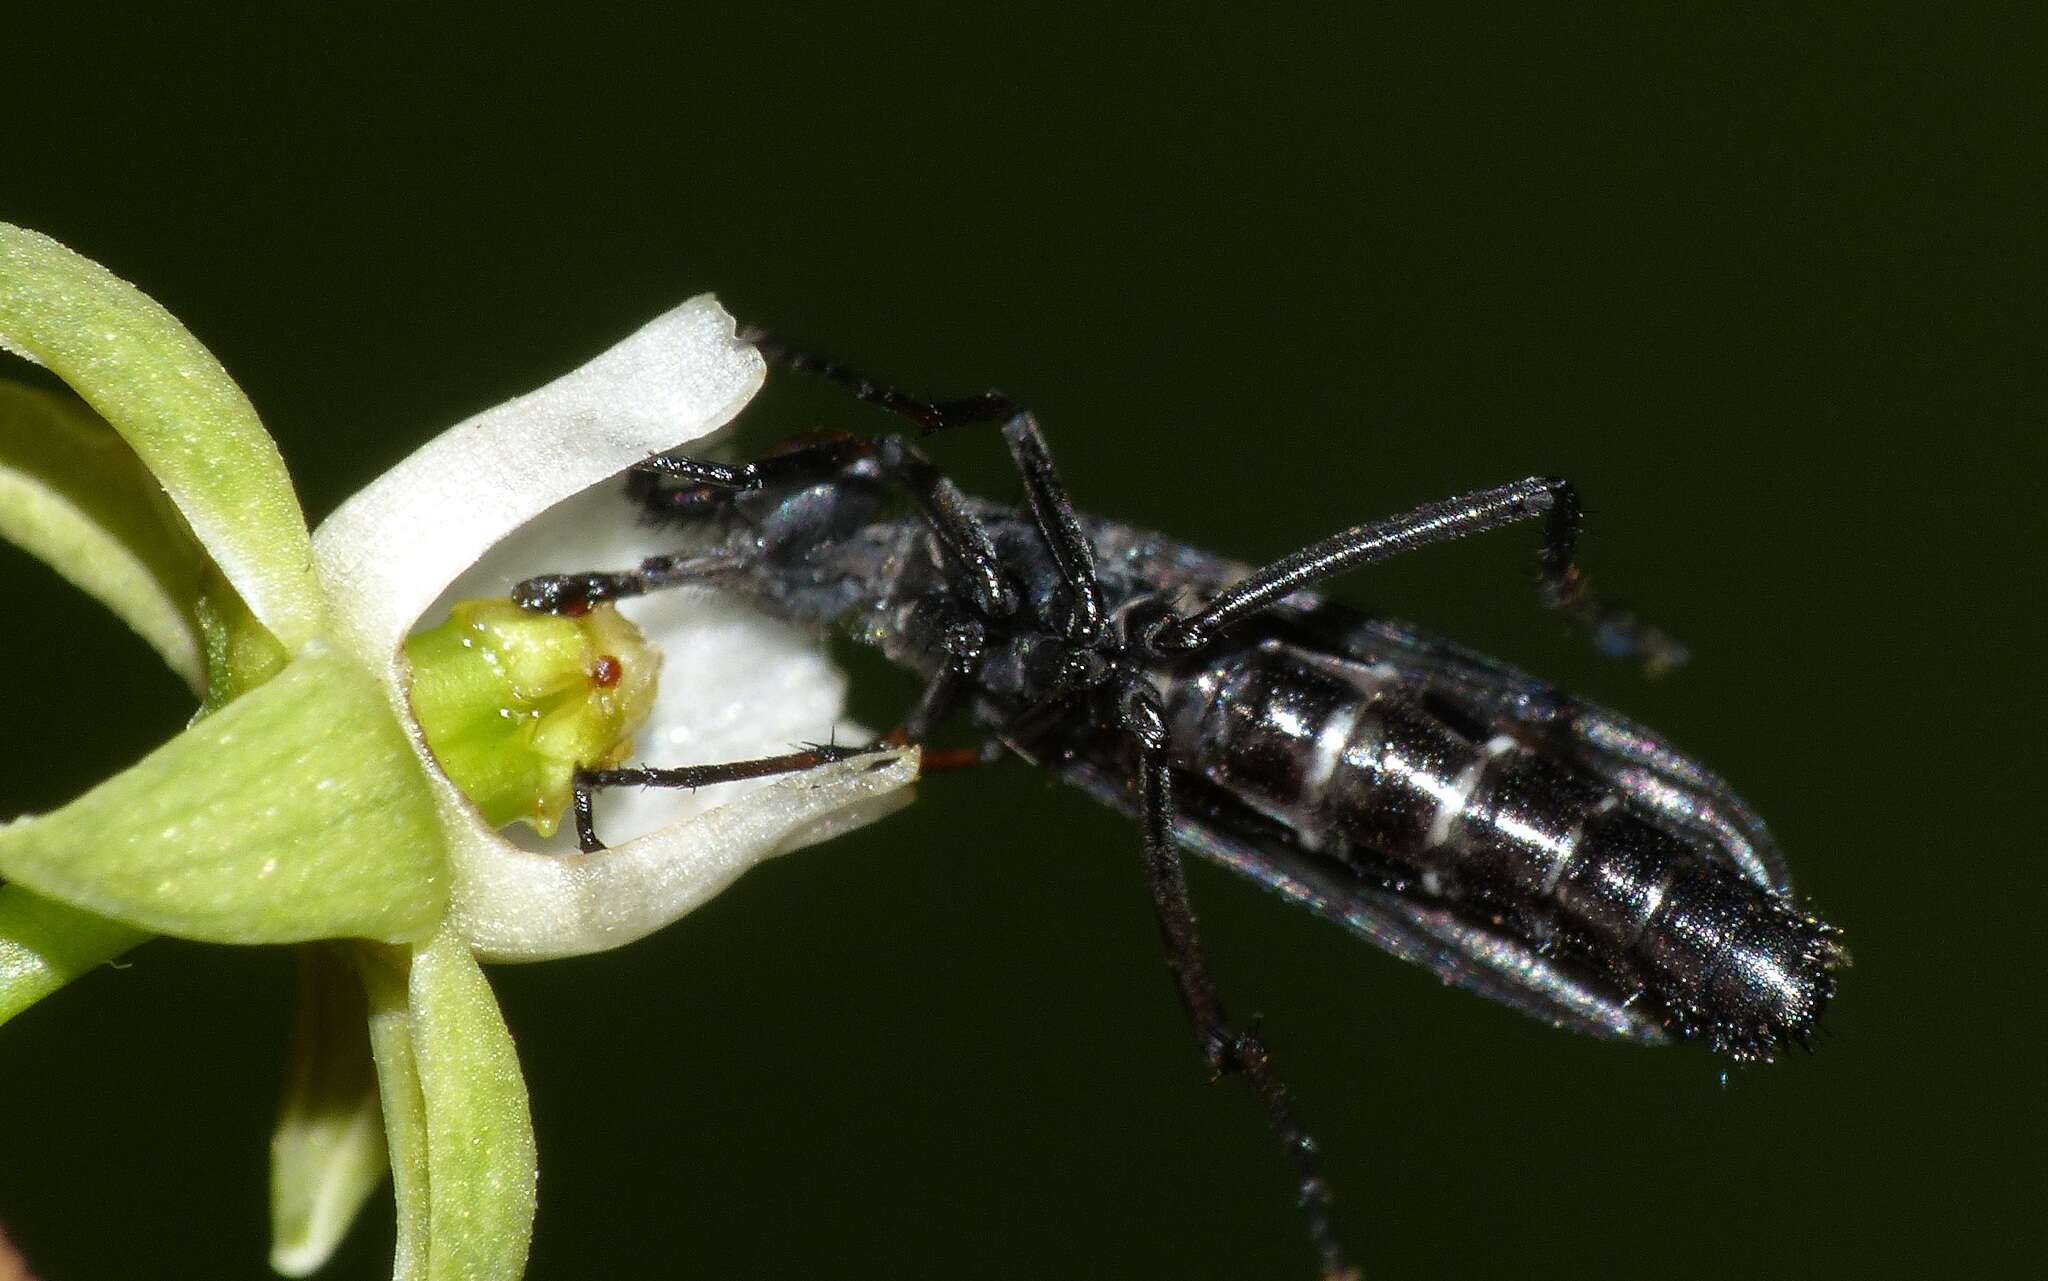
x: 1445, y: 938
x: 1654, y: 775
x: 1456, y: 946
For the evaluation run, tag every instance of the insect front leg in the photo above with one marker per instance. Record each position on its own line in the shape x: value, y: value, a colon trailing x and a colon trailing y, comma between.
x: 961, y: 537
x: 961, y: 643
x: 799, y: 459
x: 588, y: 782
x: 576, y: 593
x: 944, y: 508
x: 1051, y: 509
x: 1053, y: 513
x: 1229, y: 1050
x: 1563, y: 586
x: 930, y: 415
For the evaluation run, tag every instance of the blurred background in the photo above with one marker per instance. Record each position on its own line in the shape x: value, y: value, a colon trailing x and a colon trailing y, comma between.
x: 1755, y: 280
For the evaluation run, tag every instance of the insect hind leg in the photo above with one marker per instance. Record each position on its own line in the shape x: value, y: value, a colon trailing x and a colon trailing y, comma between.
x: 1228, y: 1049
x: 1563, y: 585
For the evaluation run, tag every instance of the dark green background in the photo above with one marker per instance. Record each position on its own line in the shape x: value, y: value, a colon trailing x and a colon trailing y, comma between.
x: 1756, y: 281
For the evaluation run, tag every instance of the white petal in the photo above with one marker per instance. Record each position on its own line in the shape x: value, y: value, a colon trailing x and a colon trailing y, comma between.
x: 388, y: 552
x: 517, y: 905
x: 735, y: 684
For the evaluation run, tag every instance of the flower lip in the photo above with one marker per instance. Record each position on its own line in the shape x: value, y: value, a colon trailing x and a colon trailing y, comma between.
x: 459, y: 518
x: 734, y: 683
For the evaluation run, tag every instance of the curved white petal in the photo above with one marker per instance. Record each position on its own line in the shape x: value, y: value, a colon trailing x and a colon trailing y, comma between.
x: 517, y: 905
x: 388, y: 552
x: 734, y: 685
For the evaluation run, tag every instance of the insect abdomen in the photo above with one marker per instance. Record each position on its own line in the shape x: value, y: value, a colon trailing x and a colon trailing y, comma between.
x: 1355, y: 761
x: 1347, y: 756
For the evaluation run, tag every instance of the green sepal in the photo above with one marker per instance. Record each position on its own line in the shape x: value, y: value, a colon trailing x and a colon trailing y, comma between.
x: 188, y: 422
x: 512, y: 702
x: 74, y: 495
x: 297, y: 812
x: 327, y: 1154
x: 385, y: 972
x: 44, y: 945
x: 457, y: 1122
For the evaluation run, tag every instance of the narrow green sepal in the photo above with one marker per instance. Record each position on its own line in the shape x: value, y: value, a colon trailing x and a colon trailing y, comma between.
x: 74, y: 495
x: 458, y: 1124
x: 481, y: 1166
x: 297, y: 812
x: 327, y: 1155
x: 385, y: 972
x: 177, y: 408
x: 44, y: 945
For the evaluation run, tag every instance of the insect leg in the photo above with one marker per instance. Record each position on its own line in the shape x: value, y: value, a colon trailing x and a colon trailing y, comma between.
x: 940, y: 760
x: 1564, y: 585
x: 1053, y: 512
x: 588, y: 782
x: 929, y: 415
x: 1050, y: 507
x: 938, y: 499
x: 809, y: 457
x: 1229, y: 1050
x: 939, y: 696
x: 575, y: 593
x: 945, y: 509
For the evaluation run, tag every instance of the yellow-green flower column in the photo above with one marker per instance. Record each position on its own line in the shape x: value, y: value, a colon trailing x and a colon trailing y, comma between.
x: 303, y: 804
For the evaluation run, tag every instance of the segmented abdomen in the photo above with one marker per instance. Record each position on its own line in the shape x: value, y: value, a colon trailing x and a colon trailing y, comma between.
x: 1364, y: 766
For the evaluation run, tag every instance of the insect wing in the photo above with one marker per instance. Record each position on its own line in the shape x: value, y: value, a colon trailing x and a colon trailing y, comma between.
x: 1457, y: 948
x: 1654, y: 775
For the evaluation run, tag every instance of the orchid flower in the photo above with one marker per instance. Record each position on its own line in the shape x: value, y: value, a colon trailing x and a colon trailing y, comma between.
x: 342, y: 787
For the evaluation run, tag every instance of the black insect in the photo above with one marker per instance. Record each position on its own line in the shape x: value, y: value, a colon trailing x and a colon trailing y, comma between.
x: 1518, y: 841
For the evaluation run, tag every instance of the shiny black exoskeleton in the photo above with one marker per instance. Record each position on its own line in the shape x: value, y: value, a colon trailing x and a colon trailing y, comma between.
x: 1518, y: 841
